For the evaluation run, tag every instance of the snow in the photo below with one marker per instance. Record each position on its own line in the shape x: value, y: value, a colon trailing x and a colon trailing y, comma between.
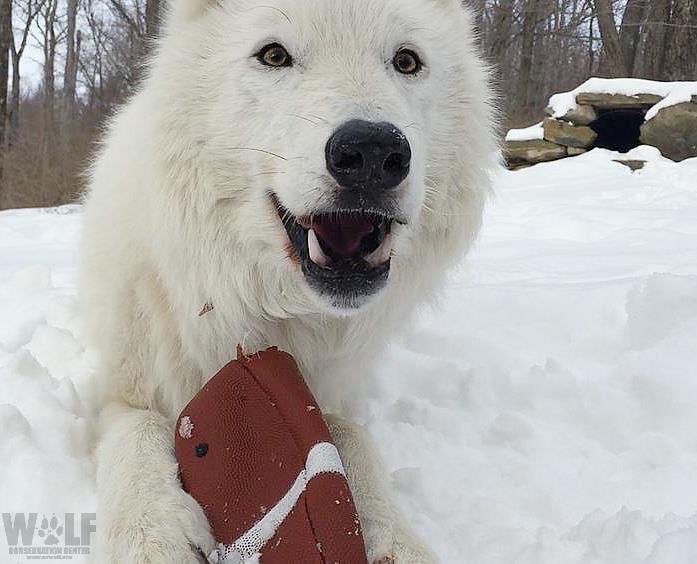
x: 672, y: 92
x: 526, y: 134
x: 679, y: 94
x: 544, y: 413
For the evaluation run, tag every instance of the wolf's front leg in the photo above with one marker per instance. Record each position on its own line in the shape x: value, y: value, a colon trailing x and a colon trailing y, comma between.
x: 388, y: 539
x: 144, y: 515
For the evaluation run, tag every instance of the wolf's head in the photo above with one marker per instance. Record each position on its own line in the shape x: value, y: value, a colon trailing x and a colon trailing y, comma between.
x: 337, y: 146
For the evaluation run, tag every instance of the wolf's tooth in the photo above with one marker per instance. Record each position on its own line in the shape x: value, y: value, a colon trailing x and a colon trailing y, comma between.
x: 382, y: 254
x: 316, y: 253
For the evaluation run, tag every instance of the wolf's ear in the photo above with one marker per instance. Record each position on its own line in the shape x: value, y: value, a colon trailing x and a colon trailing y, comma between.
x: 181, y: 11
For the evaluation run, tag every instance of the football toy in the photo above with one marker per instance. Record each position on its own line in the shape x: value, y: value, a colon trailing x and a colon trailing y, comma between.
x: 255, y: 452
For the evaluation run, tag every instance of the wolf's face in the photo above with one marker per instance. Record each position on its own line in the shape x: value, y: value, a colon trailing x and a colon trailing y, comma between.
x: 330, y: 127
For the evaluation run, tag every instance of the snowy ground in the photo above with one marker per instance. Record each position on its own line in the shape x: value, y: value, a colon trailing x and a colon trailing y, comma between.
x: 546, y: 414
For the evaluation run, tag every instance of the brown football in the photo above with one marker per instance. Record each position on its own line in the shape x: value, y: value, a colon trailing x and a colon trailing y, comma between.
x: 255, y: 452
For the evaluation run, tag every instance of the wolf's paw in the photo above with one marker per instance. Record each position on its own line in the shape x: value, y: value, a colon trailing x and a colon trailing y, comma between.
x: 404, y: 548
x: 170, y: 529
x: 408, y: 555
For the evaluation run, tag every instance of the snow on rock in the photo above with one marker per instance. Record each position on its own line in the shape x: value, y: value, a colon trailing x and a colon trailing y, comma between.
x: 544, y: 413
x: 672, y: 92
x: 526, y: 134
x: 681, y: 92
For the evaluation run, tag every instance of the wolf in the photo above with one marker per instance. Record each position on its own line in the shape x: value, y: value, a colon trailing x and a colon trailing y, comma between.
x: 290, y: 173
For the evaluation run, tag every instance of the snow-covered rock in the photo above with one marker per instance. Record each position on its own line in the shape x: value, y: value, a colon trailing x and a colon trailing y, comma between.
x: 526, y: 134
x: 663, y: 94
x: 608, y: 113
x: 562, y: 133
x: 673, y: 130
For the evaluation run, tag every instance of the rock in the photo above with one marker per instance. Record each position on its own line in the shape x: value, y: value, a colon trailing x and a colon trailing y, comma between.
x: 618, y: 101
x: 575, y: 151
x: 634, y: 165
x: 519, y: 165
x: 673, y: 131
x: 533, y: 151
x: 562, y: 133
x: 581, y: 115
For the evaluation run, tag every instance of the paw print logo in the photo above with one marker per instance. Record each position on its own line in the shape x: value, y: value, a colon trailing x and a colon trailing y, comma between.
x: 50, y: 530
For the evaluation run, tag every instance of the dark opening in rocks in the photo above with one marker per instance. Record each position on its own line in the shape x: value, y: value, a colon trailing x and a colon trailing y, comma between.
x: 619, y: 130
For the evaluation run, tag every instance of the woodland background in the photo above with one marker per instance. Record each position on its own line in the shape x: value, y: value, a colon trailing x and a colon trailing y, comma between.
x: 90, y: 53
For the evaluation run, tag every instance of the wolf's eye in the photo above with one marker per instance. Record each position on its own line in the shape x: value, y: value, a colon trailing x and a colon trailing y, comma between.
x: 407, y: 62
x: 274, y: 55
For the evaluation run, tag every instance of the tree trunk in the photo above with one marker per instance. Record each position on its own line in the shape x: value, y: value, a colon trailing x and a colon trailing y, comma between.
x: 530, y: 15
x: 49, y: 50
x: 656, y: 39
x: 630, y: 32
x: 591, y: 51
x: 5, y: 39
x: 13, y: 121
x: 70, y: 74
x: 543, y: 46
x: 17, y: 51
x: 613, y: 59
x: 681, y: 57
x: 501, y: 32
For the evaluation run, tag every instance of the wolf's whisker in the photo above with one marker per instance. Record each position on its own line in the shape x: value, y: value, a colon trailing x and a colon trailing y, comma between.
x: 269, y: 173
x: 308, y: 120
x: 274, y: 8
x: 320, y: 118
x: 415, y: 124
x: 259, y: 151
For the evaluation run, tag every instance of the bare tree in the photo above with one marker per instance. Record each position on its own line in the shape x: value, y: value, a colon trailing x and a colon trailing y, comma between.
x: 72, y: 54
x: 681, y: 56
x: 530, y: 15
x: 501, y: 29
x: 656, y: 39
x: 28, y: 10
x: 5, y: 40
x: 130, y: 13
x: 49, y: 44
x: 613, y: 58
x: 630, y: 33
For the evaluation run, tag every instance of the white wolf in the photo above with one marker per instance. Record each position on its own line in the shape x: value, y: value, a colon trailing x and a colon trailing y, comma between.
x: 296, y: 173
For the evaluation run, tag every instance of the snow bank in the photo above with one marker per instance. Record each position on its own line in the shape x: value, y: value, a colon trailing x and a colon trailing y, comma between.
x: 672, y: 92
x: 526, y: 134
x: 544, y: 414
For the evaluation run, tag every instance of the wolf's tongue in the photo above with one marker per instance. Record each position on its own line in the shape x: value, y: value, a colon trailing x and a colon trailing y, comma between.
x: 342, y: 236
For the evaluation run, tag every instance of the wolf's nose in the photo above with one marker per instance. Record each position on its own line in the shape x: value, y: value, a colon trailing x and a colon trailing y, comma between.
x: 363, y: 154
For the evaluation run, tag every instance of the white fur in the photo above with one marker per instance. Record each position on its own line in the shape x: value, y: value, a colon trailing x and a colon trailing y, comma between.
x: 178, y: 217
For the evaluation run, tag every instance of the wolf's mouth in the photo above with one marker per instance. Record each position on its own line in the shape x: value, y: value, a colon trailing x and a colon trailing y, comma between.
x: 345, y: 254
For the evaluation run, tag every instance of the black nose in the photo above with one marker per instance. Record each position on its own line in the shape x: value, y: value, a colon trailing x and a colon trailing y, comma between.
x: 363, y: 154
